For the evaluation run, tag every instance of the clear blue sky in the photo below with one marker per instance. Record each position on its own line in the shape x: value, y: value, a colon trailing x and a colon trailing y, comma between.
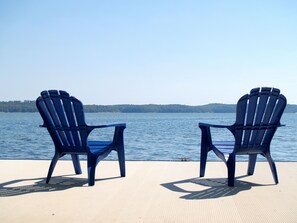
x: 155, y: 51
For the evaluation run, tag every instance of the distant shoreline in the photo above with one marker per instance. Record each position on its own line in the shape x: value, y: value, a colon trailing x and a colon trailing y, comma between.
x: 29, y: 106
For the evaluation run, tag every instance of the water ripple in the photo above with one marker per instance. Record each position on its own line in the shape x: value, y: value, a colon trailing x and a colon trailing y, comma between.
x: 151, y: 136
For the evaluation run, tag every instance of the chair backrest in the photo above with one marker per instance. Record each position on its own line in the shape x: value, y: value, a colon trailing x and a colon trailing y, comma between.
x: 63, y: 116
x: 258, y: 115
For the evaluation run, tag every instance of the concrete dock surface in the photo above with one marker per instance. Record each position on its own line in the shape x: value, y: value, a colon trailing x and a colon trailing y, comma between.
x: 152, y: 191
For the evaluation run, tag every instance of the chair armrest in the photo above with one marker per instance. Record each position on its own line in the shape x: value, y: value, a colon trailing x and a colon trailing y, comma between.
x: 91, y: 127
x: 118, y: 136
x: 201, y: 124
x: 205, y: 128
x: 118, y: 125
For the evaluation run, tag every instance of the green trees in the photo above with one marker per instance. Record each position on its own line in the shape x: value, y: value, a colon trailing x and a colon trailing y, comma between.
x: 29, y: 106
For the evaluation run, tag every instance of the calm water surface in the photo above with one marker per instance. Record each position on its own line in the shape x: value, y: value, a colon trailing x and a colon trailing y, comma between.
x: 148, y: 136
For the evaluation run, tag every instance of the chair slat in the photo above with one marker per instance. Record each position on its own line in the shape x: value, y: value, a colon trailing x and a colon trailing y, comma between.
x: 263, y: 110
x: 240, y: 118
x: 61, y: 137
x: 80, y: 118
x: 250, y: 115
x: 57, y: 102
x: 69, y: 111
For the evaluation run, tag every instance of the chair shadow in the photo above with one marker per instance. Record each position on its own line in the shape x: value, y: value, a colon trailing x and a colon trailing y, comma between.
x: 209, y: 188
x: 35, y: 185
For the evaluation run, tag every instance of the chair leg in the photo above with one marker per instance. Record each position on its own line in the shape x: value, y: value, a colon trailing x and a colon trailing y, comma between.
x: 231, y: 170
x: 272, y: 167
x: 252, y: 163
x: 119, y: 145
x: 203, y: 159
x: 92, y: 162
x: 76, y: 163
x: 52, y: 167
x: 205, y: 148
x: 121, y: 157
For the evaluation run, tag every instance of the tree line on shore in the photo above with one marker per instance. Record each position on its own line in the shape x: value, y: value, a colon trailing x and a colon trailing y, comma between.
x: 29, y: 106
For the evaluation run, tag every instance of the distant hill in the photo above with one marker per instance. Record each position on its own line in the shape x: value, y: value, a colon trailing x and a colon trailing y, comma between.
x: 29, y: 106
x: 153, y: 108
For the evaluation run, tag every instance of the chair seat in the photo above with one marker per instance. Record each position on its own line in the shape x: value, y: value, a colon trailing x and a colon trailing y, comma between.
x: 99, y: 147
x: 225, y: 147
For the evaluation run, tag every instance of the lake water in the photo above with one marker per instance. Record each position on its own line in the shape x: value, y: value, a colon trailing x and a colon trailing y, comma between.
x: 148, y: 136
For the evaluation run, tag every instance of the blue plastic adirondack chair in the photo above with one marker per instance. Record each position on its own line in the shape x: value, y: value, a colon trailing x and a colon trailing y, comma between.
x: 64, y: 119
x: 258, y: 116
